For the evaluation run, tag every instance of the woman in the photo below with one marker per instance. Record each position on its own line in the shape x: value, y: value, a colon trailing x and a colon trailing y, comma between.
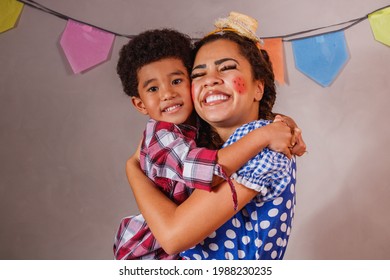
x: 233, y: 85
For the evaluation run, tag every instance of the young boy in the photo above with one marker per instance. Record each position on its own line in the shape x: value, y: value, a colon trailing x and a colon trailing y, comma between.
x: 154, y: 69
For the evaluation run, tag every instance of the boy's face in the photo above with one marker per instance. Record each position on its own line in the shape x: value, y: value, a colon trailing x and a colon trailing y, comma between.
x: 164, y: 90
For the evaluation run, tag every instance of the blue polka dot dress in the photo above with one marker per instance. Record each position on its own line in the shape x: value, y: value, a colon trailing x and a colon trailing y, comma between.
x: 261, y: 230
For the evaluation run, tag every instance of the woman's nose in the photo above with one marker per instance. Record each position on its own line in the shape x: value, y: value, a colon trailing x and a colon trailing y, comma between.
x: 212, y: 80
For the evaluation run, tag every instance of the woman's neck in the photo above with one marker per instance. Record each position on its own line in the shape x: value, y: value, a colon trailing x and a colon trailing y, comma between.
x: 226, y: 132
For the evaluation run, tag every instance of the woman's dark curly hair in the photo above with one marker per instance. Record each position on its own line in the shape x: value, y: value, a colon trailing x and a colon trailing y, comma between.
x: 261, y: 70
x: 151, y: 46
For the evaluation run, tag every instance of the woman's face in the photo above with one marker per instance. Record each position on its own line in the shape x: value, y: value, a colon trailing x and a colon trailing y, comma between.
x: 223, y: 89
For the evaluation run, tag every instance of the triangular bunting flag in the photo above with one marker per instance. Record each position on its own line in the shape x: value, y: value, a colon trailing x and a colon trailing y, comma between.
x: 9, y: 13
x: 85, y: 46
x: 380, y: 25
x: 274, y: 48
x: 321, y: 57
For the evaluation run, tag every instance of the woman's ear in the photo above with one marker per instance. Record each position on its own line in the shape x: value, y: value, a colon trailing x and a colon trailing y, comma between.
x: 259, y: 90
x: 139, y: 105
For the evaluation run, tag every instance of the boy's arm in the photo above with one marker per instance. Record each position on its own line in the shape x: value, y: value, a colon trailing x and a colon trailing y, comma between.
x: 173, y: 154
x: 232, y: 157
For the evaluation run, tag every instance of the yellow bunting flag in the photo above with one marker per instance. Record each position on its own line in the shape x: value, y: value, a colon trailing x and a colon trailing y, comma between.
x: 9, y: 14
x: 274, y: 48
x: 380, y: 25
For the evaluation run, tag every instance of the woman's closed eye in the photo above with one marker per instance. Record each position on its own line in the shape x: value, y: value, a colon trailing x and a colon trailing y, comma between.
x: 224, y: 67
x: 228, y: 67
x: 196, y: 75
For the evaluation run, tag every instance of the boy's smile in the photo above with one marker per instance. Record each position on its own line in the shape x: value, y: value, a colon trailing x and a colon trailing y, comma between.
x: 164, y: 90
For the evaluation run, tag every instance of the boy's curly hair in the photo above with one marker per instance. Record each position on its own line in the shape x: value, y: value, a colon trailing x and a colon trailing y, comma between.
x: 151, y: 46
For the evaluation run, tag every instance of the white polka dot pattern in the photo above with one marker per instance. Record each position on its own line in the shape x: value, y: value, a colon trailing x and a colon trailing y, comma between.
x: 259, y: 231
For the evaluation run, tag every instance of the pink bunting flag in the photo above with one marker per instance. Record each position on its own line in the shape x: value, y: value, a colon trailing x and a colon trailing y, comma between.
x: 274, y: 48
x: 85, y: 46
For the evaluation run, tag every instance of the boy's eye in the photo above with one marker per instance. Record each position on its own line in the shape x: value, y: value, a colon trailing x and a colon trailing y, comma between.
x: 176, y: 81
x: 153, y: 89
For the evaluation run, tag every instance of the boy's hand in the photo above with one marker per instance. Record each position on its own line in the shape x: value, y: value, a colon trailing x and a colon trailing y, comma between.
x: 280, y: 138
x: 298, y: 146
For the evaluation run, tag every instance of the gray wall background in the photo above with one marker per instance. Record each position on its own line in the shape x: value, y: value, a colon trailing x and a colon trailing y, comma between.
x: 64, y: 138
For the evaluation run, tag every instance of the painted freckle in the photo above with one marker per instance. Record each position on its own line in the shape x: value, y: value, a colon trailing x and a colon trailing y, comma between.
x: 239, y: 85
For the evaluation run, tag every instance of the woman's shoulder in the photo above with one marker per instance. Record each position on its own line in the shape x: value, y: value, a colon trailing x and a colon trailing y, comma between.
x: 245, y: 129
x: 252, y: 125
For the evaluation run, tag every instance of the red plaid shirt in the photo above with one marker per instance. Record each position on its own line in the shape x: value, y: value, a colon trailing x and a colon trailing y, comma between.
x: 170, y: 158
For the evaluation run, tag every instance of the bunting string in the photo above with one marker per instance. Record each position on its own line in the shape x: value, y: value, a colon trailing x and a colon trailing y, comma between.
x: 320, y: 53
x: 351, y: 23
x: 36, y: 5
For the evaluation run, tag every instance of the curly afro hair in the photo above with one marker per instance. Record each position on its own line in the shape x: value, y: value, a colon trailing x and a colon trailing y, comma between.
x: 151, y: 46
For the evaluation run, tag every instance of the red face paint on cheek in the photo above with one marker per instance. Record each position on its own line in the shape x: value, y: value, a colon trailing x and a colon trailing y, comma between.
x: 239, y: 85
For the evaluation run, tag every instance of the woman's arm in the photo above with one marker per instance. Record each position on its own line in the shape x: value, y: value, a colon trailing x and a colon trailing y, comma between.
x: 179, y: 227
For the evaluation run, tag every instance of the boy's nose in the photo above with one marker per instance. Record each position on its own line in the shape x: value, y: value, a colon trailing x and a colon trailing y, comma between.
x: 167, y: 94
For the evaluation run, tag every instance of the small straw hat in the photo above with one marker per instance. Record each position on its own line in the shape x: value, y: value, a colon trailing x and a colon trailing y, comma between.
x: 242, y: 24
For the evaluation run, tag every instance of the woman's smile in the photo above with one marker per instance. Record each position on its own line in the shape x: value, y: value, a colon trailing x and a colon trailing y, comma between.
x: 225, y: 92
x: 214, y: 98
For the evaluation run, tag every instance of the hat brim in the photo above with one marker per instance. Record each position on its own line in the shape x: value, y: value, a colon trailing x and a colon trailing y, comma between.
x: 237, y: 25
